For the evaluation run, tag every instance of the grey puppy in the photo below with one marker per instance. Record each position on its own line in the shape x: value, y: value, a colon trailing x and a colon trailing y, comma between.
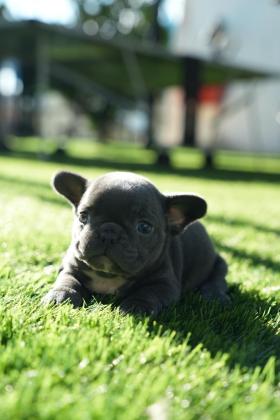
x: 132, y: 241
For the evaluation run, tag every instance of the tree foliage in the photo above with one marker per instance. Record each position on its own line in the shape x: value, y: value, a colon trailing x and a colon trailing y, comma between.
x: 110, y: 18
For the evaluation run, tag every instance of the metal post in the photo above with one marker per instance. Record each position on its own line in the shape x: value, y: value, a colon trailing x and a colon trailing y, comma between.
x: 3, y: 131
x: 155, y: 37
x: 41, y: 81
x: 192, y: 67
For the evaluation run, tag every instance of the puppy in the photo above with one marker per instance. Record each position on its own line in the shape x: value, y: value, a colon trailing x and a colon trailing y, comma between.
x: 132, y: 241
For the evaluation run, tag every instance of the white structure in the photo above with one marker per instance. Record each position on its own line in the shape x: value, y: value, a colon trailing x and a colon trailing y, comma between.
x: 241, y: 33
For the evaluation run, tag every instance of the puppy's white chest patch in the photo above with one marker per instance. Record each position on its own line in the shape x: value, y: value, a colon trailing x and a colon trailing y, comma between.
x: 100, y: 284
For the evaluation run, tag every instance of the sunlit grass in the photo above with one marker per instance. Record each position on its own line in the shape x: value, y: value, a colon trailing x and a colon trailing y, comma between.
x: 197, y: 360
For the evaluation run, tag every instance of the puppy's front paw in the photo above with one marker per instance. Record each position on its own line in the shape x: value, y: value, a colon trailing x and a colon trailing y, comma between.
x: 58, y: 296
x: 137, y: 307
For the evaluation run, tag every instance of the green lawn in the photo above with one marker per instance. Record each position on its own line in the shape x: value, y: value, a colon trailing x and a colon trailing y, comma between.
x: 197, y: 360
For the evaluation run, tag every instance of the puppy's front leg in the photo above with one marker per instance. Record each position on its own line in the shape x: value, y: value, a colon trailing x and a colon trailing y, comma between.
x: 66, y: 288
x: 150, y: 299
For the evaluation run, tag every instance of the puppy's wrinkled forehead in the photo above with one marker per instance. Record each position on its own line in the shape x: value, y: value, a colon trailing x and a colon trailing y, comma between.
x: 121, y: 194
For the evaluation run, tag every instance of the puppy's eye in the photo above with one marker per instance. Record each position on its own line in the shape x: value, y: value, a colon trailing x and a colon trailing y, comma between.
x: 143, y: 227
x: 83, y: 217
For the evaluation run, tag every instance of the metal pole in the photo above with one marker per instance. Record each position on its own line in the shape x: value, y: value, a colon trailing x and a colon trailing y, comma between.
x: 192, y: 83
x: 41, y: 82
x: 155, y: 37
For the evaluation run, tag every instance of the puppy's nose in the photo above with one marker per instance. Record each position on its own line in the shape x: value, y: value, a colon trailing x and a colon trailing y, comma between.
x: 109, y: 233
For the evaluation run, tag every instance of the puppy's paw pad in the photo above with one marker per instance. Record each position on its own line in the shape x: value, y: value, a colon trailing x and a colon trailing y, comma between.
x: 57, y: 297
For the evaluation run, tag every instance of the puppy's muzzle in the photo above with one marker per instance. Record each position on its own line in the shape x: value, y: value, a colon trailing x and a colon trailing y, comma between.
x: 109, y: 234
x: 99, y: 242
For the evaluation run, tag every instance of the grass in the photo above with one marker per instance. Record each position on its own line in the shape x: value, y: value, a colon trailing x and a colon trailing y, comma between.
x: 197, y: 360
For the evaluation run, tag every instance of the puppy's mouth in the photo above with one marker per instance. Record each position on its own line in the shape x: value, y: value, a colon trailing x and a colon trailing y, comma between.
x: 107, y: 262
x: 103, y: 266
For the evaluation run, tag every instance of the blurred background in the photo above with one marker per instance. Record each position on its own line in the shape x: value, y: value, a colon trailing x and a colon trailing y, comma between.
x: 158, y: 74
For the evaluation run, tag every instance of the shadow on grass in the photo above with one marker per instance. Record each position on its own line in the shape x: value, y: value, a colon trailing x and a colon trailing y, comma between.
x: 110, y: 164
x: 41, y: 190
x: 14, y: 180
x: 242, y: 223
x: 244, y: 330
x: 253, y: 258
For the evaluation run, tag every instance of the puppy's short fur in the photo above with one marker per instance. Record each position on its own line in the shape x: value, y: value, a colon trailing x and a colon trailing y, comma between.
x: 132, y: 241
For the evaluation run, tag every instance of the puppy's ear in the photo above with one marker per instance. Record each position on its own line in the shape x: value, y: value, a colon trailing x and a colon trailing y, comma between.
x: 182, y: 209
x: 70, y: 185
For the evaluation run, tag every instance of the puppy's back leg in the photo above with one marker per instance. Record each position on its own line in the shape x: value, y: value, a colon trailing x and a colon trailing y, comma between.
x: 215, y: 286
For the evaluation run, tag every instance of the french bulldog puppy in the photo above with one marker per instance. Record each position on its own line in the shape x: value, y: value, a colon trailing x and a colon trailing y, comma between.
x: 132, y: 241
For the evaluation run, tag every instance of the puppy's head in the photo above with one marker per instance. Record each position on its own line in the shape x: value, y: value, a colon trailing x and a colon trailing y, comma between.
x: 122, y: 221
